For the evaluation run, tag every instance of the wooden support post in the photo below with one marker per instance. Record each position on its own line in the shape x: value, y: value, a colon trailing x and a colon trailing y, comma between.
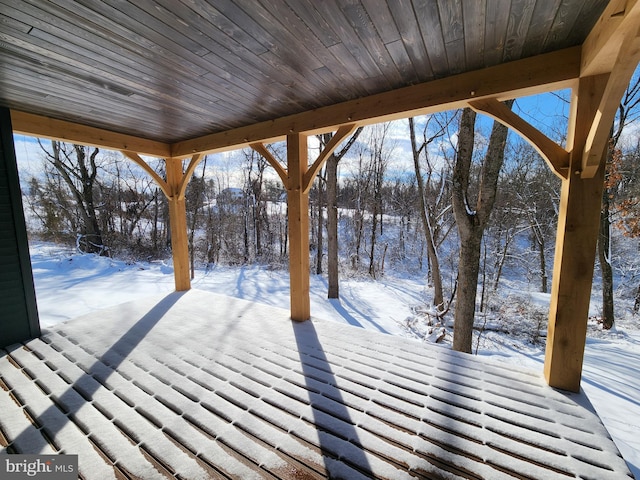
x: 578, y: 223
x: 178, y: 225
x: 298, y: 178
x: 298, y: 203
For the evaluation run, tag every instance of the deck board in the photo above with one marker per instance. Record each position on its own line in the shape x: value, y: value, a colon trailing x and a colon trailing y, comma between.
x: 198, y: 385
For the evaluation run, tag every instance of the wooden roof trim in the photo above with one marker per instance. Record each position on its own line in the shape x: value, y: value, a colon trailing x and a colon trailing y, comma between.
x: 46, y: 127
x: 539, y: 74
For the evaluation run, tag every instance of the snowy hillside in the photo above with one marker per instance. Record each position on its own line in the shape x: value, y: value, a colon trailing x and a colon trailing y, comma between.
x: 70, y: 285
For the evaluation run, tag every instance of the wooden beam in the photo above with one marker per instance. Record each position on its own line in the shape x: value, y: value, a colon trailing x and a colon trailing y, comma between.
x: 612, y: 49
x: 539, y: 74
x: 178, y: 225
x: 342, y: 133
x: 298, y: 206
x: 578, y: 226
x: 600, y: 49
x: 134, y: 157
x: 556, y: 157
x: 617, y: 82
x: 45, y: 127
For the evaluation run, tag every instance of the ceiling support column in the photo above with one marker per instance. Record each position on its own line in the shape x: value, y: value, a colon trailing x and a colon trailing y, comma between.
x: 174, y: 188
x: 578, y: 223
x: 298, y: 205
x: 178, y: 225
x: 297, y: 179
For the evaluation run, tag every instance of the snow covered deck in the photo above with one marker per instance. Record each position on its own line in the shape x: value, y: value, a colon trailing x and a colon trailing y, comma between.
x: 198, y: 385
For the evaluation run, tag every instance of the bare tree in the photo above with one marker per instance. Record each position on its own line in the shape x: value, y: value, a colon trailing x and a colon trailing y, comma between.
x: 427, y: 210
x: 317, y: 200
x: 331, y: 177
x: 77, y: 167
x: 527, y: 203
x: 472, y: 217
x: 379, y: 159
x: 195, y: 195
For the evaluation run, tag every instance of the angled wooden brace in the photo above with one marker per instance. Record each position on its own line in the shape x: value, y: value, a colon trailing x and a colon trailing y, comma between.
x: 343, y: 132
x: 135, y: 158
x: 277, y: 166
x: 298, y: 178
x: 613, y: 49
x: 174, y: 189
x: 556, y: 157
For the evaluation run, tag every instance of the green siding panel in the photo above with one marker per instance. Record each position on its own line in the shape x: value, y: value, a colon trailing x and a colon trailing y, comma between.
x: 18, y: 311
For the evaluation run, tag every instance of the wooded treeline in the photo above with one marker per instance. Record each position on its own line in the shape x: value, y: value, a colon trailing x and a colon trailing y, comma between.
x: 448, y: 197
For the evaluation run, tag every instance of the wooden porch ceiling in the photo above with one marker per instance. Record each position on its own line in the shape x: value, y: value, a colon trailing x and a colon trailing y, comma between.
x: 170, y: 78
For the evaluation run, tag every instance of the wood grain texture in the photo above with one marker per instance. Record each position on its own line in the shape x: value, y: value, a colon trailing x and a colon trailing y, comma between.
x: 178, y: 225
x: 298, y: 227
x: 175, y: 70
x: 575, y: 251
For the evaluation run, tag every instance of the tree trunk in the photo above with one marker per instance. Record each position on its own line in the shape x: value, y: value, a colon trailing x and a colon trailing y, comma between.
x: 468, y: 273
x: 504, y: 251
x: 80, y: 176
x: 472, y: 222
x: 154, y: 226
x: 544, y: 279
x: 331, y: 181
x: 604, y: 255
x: 538, y: 238
x: 88, y: 175
x: 358, y: 219
x: 332, y: 227
x: 374, y: 226
x: 434, y: 262
x: 320, y: 227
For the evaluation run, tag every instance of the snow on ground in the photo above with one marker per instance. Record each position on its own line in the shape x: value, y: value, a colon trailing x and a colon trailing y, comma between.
x: 70, y: 285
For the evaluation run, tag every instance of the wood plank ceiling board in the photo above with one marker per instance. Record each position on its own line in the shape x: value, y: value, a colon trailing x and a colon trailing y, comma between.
x: 176, y: 70
x: 473, y: 18
x: 520, y: 17
x: 452, y: 21
x: 541, y: 21
x: 428, y: 18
